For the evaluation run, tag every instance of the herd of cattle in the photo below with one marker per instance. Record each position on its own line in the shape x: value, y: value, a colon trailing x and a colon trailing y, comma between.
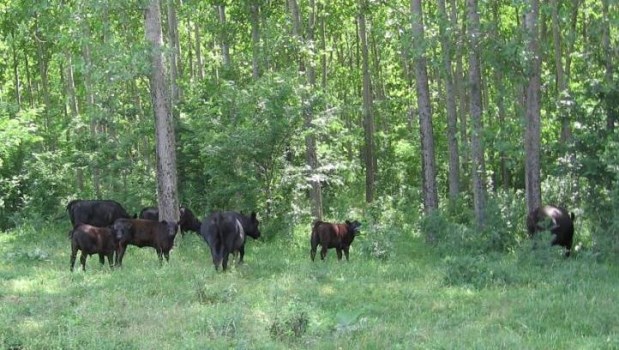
x: 105, y: 228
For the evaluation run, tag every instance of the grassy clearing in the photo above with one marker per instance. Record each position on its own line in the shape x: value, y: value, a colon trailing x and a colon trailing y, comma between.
x: 280, y: 300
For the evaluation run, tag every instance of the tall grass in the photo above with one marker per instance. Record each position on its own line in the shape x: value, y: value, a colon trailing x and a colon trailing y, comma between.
x: 410, y: 297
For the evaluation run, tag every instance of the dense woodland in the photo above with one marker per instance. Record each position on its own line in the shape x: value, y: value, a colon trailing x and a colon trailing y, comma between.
x: 439, y: 113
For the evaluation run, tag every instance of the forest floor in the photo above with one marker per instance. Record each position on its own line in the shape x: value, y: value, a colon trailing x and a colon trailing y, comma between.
x: 280, y: 299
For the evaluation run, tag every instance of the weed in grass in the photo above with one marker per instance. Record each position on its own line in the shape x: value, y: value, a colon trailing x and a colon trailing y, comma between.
x: 294, y: 326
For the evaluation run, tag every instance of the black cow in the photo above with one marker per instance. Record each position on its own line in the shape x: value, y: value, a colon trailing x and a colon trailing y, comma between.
x: 225, y: 234
x: 557, y: 220
x: 99, y: 213
x: 187, y: 222
x: 92, y: 240
x: 338, y: 236
x: 144, y: 233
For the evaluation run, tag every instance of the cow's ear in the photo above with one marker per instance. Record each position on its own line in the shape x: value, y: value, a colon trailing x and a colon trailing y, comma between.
x: 253, y: 215
x: 573, y: 216
x: 164, y: 222
x: 348, y: 222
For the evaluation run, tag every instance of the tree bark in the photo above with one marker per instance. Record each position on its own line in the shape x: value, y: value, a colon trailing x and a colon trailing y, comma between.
x: 175, y: 54
x: 16, y: 80
x: 255, y: 38
x: 223, y: 36
x: 167, y: 194
x: 308, y: 102
x: 532, y: 120
x: 368, y: 115
x: 477, y: 148
x: 452, y: 116
x: 199, y: 58
x: 611, y: 104
x: 430, y: 193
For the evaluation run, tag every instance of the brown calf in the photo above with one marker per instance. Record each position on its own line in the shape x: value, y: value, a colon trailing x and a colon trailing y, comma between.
x: 91, y: 240
x: 145, y: 233
x: 338, y: 236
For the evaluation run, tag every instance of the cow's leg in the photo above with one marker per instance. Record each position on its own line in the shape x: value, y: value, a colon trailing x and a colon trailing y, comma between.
x: 323, y: 252
x: 110, y: 258
x: 101, y: 259
x: 83, y: 260
x: 339, y: 253
x: 346, y: 252
x: 224, y: 263
x: 119, y: 255
x: 160, y: 255
x: 73, y: 256
x: 241, y: 254
x: 314, y: 244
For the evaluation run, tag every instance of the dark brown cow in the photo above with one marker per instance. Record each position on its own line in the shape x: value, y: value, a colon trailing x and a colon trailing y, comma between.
x: 557, y: 221
x: 99, y: 213
x: 187, y: 221
x: 144, y: 233
x: 225, y: 234
x: 92, y: 240
x: 338, y: 236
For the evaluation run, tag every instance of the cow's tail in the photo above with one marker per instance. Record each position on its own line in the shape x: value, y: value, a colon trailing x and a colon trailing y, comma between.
x: 315, y: 226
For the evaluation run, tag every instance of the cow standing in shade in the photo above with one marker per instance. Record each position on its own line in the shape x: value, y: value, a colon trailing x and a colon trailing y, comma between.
x: 92, y: 240
x: 187, y: 221
x: 338, y: 236
x: 99, y: 213
x: 145, y: 233
x: 557, y: 220
x: 225, y: 234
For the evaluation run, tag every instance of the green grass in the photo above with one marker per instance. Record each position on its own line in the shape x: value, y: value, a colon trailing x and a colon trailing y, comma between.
x: 279, y: 299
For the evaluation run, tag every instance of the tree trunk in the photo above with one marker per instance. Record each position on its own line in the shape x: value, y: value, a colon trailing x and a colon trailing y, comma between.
x: 175, y: 91
x: 199, y: 58
x: 308, y: 102
x: 477, y: 148
x: 368, y: 115
x: 452, y: 116
x: 16, y: 80
x: 223, y: 36
x: 70, y: 86
x: 167, y: 195
x: 255, y: 38
x: 532, y: 119
x: 430, y: 193
x: 611, y: 104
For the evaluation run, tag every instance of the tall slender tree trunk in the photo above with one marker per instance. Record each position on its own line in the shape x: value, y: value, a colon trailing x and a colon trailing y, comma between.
x: 308, y: 100
x: 430, y: 193
x: 477, y: 148
x: 175, y: 51
x: 368, y: 115
x: 452, y: 116
x: 532, y: 138
x: 255, y: 38
x: 223, y: 36
x: 560, y: 80
x: 199, y: 58
x: 16, y: 80
x: 611, y: 104
x: 167, y: 194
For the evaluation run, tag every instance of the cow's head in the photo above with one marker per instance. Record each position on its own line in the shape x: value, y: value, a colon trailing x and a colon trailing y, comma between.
x: 353, y: 227
x: 171, y: 227
x: 121, y: 228
x: 251, y: 226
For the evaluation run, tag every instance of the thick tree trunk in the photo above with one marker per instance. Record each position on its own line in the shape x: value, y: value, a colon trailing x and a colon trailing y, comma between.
x: 532, y: 120
x: 167, y: 195
x: 368, y: 115
x: 477, y: 149
x: 452, y: 116
x: 430, y: 193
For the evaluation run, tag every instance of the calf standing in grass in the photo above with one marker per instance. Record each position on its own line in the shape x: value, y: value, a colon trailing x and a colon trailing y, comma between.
x: 225, y: 234
x: 338, y: 236
x: 145, y: 233
x: 557, y: 220
x: 92, y: 240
